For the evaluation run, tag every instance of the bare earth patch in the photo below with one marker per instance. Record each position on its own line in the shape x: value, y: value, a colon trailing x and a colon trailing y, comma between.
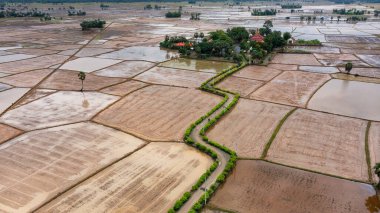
x: 88, y: 64
x: 124, y: 88
x: 265, y: 187
x: 250, y: 125
x: 8, y: 132
x: 291, y: 87
x: 56, y: 109
x: 158, y: 113
x: 39, y: 164
x: 42, y: 62
x: 374, y: 146
x: 297, y: 59
x: 261, y: 73
x: 68, y: 80
x: 322, y: 142
x: 240, y: 85
x: 150, y: 180
x: 27, y: 79
x: 125, y: 69
x: 283, y: 66
x: 174, y: 77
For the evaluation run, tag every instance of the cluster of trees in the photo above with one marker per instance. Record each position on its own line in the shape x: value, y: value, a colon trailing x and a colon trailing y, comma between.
x: 88, y: 24
x: 291, y: 6
x: 195, y: 16
x: 149, y: 7
x: 104, y: 6
x: 356, y: 18
x: 76, y: 13
x: 32, y: 13
x: 259, y: 12
x: 175, y: 14
x: 348, y: 12
x: 234, y: 44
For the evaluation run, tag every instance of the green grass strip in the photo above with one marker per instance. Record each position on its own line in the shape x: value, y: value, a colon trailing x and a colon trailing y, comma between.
x: 367, y: 154
x: 275, y: 132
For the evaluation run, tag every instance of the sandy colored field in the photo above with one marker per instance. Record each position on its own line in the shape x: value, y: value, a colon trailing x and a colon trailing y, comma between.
x: 125, y: 69
x: 158, y: 113
x: 39, y: 164
x: 88, y: 64
x: 56, y: 109
x: 283, y: 66
x: 368, y: 72
x: 297, y: 59
x: 242, y: 86
x: 345, y: 57
x: 8, y: 132
x: 249, y: 125
x: 374, y: 146
x: 265, y: 187
x: 322, y: 142
x: 174, y: 77
x: 124, y: 88
x: 33, y: 95
x: 261, y: 73
x: 68, y: 80
x: 42, y: 62
x: 150, y: 180
x: 291, y: 87
x: 10, y: 96
x: 27, y: 79
x: 88, y: 52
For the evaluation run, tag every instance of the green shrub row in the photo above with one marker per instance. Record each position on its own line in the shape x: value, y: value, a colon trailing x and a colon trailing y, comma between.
x: 190, y: 141
x: 197, y: 207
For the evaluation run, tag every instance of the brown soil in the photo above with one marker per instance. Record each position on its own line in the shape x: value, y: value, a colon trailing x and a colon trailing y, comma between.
x: 240, y: 85
x: 28, y: 79
x: 7, y: 132
x: 124, y: 88
x: 68, y: 80
x: 265, y: 187
x: 261, y: 73
x: 250, y: 125
x: 158, y: 113
x: 297, y: 59
x: 150, y: 180
x: 291, y: 88
x: 322, y: 142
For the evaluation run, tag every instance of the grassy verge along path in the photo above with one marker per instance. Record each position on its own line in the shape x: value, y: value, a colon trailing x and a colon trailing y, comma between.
x: 224, y: 158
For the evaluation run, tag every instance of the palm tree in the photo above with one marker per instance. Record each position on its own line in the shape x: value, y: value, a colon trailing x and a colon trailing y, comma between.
x: 201, y: 35
x: 196, y: 35
x: 82, y: 77
x: 348, y: 69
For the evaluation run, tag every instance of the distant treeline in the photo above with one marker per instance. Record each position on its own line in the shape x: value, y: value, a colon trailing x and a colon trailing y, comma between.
x: 191, y: 2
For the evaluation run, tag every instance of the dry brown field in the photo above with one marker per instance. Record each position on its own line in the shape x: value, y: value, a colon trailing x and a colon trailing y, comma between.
x: 322, y: 142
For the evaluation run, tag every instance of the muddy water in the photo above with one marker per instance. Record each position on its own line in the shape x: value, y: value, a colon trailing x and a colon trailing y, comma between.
x: 154, y: 54
x: 197, y: 65
x: 350, y: 98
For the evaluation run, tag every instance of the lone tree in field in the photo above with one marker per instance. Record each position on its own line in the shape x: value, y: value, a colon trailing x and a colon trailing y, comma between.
x: 82, y: 77
x: 377, y: 172
x: 348, y: 67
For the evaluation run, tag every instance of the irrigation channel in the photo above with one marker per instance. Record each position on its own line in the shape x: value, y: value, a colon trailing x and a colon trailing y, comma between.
x: 201, y: 195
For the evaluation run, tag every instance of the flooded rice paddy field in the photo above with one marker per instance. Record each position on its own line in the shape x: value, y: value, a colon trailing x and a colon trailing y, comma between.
x: 117, y: 146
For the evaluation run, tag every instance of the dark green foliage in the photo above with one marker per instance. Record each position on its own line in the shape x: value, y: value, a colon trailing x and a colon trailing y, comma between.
x: 348, y: 12
x: 238, y: 34
x: 314, y: 42
x: 76, y: 13
x: 259, y: 12
x: 175, y: 14
x: 88, y: 24
x: 291, y: 6
x: 148, y: 7
x: 356, y: 18
x: 195, y: 16
x: 348, y: 67
x: 31, y: 13
x: 286, y: 36
x: 274, y: 40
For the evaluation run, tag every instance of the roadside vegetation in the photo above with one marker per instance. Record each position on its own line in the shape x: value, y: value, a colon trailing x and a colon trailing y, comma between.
x: 314, y: 42
x: 175, y: 14
x: 348, y: 12
x: 235, y: 44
